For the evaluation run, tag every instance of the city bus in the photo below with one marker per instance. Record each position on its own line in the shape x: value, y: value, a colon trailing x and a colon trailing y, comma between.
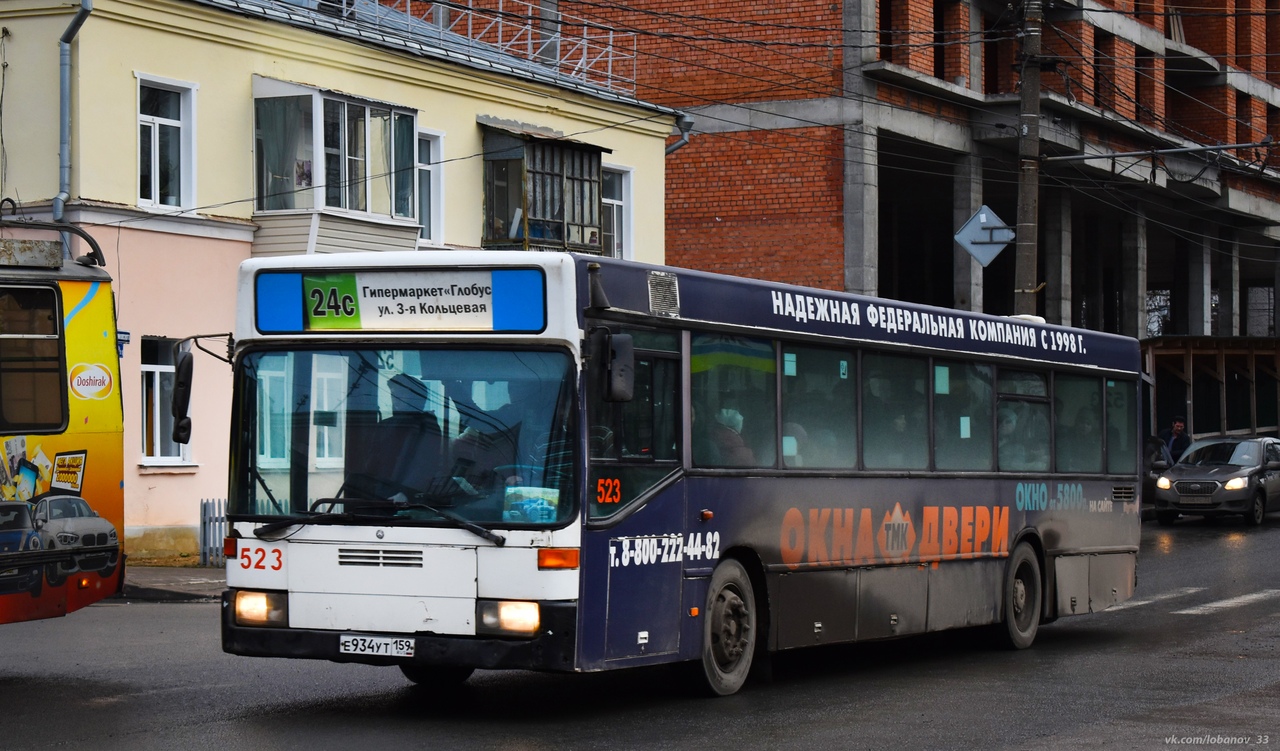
x: 452, y: 460
x: 61, y: 426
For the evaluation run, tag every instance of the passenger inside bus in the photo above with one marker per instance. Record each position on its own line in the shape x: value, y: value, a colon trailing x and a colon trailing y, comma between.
x: 726, y: 437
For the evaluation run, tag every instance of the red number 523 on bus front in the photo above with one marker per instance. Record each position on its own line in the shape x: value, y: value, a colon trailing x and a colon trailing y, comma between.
x: 257, y: 564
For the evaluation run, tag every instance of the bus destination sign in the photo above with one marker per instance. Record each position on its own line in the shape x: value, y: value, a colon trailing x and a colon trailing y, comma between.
x: 446, y: 300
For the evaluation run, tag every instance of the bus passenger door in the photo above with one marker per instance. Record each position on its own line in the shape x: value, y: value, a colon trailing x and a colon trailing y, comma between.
x: 634, y: 493
x: 643, y: 612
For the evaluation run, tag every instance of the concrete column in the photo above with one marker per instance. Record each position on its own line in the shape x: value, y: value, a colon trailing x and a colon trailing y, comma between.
x: 1227, y: 276
x: 1055, y: 213
x: 861, y: 212
x: 966, y: 290
x: 861, y: 152
x: 1199, y: 281
x: 1133, y: 278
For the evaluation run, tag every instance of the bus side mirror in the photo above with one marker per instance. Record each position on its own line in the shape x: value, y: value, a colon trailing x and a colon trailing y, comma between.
x: 620, y: 380
x: 182, y: 365
x: 614, y: 362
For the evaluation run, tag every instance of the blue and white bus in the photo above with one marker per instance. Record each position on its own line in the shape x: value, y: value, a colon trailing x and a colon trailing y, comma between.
x: 453, y: 460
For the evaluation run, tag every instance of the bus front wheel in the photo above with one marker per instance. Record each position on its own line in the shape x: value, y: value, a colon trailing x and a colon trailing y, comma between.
x: 437, y: 677
x: 1022, y: 597
x: 729, y: 629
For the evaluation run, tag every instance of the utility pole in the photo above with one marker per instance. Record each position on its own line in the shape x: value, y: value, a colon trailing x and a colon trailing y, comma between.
x: 1026, y: 274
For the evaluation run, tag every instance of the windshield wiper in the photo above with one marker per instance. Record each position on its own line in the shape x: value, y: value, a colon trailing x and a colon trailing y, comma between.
x: 460, y: 521
x: 305, y: 518
x: 395, y: 505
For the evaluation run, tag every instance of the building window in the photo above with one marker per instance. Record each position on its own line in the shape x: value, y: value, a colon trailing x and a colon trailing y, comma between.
x: 541, y: 193
x: 362, y: 162
x: 430, y: 194
x: 614, y: 187
x: 158, y: 446
x: 164, y: 144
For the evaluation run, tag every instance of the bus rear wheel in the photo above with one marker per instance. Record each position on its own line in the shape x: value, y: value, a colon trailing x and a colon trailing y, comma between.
x: 729, y: 629
x: 1022, y: 597
x: 437, y: 677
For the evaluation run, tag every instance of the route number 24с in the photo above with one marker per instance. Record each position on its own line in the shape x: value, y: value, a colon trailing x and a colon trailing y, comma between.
x: 261, y: 559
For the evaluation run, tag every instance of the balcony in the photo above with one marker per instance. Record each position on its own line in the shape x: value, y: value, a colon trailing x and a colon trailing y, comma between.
x: 514, y: 36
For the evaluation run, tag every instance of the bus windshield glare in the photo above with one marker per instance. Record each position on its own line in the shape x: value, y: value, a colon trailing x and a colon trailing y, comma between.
x: 395, y: 436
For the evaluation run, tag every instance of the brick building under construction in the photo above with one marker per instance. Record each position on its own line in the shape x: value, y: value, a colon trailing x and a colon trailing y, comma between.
x: 842, y: 144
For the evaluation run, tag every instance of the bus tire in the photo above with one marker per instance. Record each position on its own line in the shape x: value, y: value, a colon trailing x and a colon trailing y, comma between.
x: 1023, y: 592
x: 728, y: 629
x: 437, y: 677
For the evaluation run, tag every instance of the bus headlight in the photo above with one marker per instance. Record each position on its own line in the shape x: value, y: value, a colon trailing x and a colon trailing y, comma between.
x: 1163, y: 483
x: 507, y: 617
x: 1236, y: 483
x: 262, y: 608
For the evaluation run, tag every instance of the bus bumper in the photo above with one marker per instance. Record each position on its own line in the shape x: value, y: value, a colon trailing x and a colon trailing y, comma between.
x: 552, y: 648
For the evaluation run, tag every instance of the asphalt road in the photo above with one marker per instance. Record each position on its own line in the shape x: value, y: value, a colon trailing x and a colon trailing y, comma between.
x: 1194, y: 655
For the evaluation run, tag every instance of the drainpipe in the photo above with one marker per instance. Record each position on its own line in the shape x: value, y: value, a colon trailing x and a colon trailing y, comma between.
x: 684, y: 122
x: 64, y: 117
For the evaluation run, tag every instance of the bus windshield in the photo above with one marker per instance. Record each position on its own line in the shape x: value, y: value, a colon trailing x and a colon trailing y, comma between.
x: 404, y: 436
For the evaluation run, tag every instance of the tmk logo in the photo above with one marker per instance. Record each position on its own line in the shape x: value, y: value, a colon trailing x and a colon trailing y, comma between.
x: 91, y: 381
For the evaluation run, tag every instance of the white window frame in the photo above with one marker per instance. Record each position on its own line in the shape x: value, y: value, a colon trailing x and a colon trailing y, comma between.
x: 151, y: 407
x: 187, y: 129
x: 624, y: 208
x: 268, y: 87
x: 434, y: 163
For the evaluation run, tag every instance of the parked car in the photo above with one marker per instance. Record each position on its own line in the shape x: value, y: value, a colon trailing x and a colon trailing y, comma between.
x: 67, y: 521
x: 18, y: 534
x: 1222, y: 476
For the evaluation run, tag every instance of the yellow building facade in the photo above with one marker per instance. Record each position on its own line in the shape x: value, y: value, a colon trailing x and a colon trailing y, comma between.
x: 205, y: 132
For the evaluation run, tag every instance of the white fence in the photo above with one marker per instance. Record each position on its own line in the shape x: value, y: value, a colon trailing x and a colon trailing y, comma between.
x: 213, y: 528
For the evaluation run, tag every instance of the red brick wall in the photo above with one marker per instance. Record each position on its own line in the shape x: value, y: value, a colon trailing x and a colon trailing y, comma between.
x: 1251, y: 36
x: 955, y: 52
x: 1151, y: 12
x: 1203, y: 114
x: 766, y: 205
x: 1123, y: 78
x: 1149, y: 82
x: 696, y: 52
x: 912, y: 22
x: 1072, y: 41
x: 1210, y: 26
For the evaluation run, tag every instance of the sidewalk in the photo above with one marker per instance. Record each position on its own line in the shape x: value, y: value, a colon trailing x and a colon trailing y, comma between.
x: 173, y: 584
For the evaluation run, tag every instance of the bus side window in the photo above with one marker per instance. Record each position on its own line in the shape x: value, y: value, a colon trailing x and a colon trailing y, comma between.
x: 633, y: 445
x: 895, y: 411
x: 734, y: 401
x: 1022, y: 421
x: 1122, y: 436
x: 1077, y: 423
x: 819, y: 408
x: 963, y: 401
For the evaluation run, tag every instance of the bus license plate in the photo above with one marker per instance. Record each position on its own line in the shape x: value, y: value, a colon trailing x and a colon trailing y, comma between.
x: 382, y: 646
